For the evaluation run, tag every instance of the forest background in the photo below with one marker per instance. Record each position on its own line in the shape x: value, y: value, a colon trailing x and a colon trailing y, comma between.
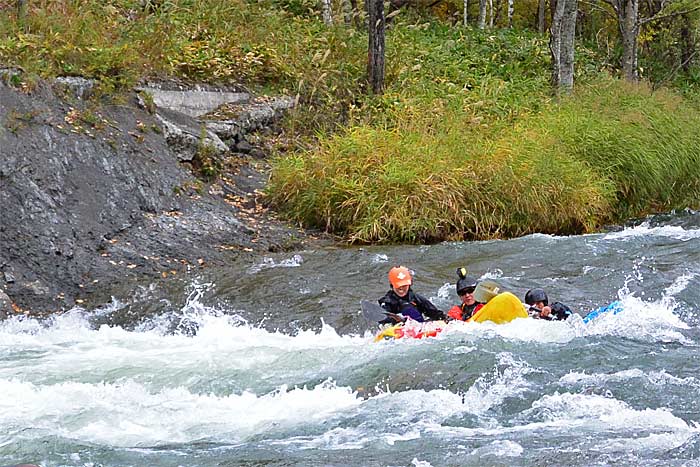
x: 439, y: 120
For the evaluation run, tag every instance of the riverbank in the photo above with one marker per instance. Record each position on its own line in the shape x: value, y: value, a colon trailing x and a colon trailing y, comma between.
x: 95, y: 196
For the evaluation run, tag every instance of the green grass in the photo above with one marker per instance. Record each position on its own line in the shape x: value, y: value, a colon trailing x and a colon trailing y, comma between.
x: 608, y: 153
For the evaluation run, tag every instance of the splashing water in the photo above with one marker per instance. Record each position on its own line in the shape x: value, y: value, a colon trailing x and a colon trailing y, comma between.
x: 273, y: 364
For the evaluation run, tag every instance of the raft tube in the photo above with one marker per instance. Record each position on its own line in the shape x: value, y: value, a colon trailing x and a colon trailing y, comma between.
x: 502, y: 308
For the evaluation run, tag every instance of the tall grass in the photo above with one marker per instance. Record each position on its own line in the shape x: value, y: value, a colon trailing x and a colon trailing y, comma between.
x: 609, y: 152
x: 647, y: 143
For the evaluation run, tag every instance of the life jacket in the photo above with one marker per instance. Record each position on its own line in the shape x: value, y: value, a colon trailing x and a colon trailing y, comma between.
x: 463, y: 312
x: 410, y: 310
x: 406, y: 305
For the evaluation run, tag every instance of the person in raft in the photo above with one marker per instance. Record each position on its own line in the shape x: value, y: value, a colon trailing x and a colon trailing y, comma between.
x: 465, y: 289
x: 403, y: 303
x: 539, y: 303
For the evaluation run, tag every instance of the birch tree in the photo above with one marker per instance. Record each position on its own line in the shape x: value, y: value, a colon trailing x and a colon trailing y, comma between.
x: 326, y: 12
x: 629, y: 24
x: 511, y: 10
x: 481, y: 21
x: 561, y: 44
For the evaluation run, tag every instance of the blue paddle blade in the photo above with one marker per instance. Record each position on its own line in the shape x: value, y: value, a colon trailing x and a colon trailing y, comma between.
x: 613, y: 307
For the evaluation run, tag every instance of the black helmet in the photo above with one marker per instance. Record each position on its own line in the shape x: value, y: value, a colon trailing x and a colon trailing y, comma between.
x: 536, y: 295
x: 465, y: 284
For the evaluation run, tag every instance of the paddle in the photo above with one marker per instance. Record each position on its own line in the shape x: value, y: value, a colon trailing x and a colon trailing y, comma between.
x: 373, y: 312
x: 615, y: 307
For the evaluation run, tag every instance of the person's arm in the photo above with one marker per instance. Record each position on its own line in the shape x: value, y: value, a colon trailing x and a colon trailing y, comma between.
x: 455, y: 313
x: 428, y: 309
x: 560, y: 311
x: 390, y: 307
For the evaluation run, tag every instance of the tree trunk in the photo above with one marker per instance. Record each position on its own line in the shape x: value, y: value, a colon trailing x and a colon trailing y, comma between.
x: 686, y: 43
x: 491, y: 14
x: 375, y: 55
x: 481, y: 22
x: 496, y: 12
x: 326, y: 12
x: 541, y: 25
x: 629, y: 28
x: 561, y: 45
x: 511, y: 10
x: 466, y: 12
x: 555, y: 40
x: 347, y: 12
x: 22, y: 14
x: 568, y: 42
x: 357, y: 15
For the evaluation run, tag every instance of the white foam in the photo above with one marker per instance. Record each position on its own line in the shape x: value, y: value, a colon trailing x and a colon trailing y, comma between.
x: 419, y: 463
x: 659, y: 378
x: 380, y: 258
x: 128, y: 414
x: 70, y: 349
x: 646, y: 321
x: 506, y: 380
x: 269, y: 263
x: 499, y: 449
x: 644, y: 229
x: 605, y: 413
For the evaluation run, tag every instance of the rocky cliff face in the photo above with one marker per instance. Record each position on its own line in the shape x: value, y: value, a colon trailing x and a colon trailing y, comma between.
x: 96, y: 194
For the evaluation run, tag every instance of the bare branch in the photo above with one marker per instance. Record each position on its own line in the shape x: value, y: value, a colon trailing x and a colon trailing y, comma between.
x: 614, y: 4
x: 674, y: 71
x: 658, y: 16
x: 599, y: 8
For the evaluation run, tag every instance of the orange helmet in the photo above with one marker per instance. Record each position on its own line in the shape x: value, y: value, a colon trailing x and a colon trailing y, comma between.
x: 399, y: 276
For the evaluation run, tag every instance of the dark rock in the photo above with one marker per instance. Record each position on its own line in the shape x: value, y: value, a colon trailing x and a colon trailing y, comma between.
x: 78, y: 87
x: 257, y: 153
x: 5, y: 305
x: 186, y: 136
x: 9, y: 277
x: 244, y: 147
x: 93, y: 199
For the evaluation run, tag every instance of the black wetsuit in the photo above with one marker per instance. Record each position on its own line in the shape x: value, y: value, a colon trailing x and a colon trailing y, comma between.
x: 411, y: 305
x: 559, y: 312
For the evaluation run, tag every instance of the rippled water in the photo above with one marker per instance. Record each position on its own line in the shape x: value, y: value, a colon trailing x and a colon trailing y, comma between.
x: 271, y: 363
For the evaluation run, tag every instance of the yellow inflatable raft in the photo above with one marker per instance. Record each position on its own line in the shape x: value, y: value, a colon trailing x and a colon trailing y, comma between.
x: 502, y: 308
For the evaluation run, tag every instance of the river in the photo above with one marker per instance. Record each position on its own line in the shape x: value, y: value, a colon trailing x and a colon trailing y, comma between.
x: 270, y: 363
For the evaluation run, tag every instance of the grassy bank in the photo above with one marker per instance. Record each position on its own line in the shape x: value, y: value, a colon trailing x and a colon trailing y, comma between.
x: 465, y: 143
x: 608, y: 153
